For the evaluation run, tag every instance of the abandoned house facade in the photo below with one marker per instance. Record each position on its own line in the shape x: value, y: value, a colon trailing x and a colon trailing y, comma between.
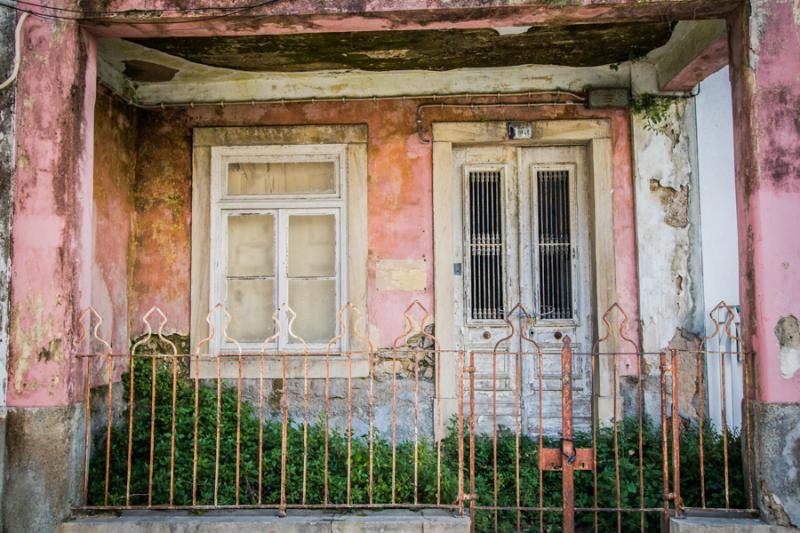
x: 383, y: 225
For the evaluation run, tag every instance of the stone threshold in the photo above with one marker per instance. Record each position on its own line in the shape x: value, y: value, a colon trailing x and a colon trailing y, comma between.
x: 268, y: 521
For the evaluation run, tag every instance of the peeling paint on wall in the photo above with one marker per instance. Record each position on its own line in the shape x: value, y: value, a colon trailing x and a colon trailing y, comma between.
x: 401, y: 275
x: 788, y: 333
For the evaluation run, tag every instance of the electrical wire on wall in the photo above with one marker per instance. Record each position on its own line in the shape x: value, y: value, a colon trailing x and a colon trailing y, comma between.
x: 17, y: 52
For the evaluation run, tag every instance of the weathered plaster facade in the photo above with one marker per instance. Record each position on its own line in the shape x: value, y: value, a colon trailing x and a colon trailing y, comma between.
x: 112, y: 228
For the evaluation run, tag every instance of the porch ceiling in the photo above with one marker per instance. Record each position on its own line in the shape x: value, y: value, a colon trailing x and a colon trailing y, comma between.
x: 576, y: 46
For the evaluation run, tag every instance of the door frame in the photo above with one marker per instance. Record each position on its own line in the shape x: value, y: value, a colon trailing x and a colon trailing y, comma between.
x: 595, y: 135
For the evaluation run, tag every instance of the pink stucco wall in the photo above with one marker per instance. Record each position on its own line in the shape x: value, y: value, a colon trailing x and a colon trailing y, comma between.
x: 767, y: 99
x: 52, y: 215
x: 399, y: 196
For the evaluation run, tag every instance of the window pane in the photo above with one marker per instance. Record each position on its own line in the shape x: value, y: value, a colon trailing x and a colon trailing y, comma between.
x: 281, y: 178
x: 250, y: 303
x: 251, y: 245
x: 555, y: 245
x: 312, y: 246
x: 485, y: 245
x: 314, y: 301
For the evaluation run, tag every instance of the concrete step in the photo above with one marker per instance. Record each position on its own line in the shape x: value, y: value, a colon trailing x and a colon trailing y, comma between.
x: 268, y: 521
x: 724, y: 525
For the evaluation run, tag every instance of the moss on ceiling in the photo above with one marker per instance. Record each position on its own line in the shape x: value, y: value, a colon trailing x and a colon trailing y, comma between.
x: 577, y: 46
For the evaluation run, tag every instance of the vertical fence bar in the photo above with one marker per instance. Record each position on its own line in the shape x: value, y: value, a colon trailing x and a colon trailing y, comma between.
x: 349, y: 421
x: 130, y: 430
x: 541, y: 442
x: 640, y: 412
x: 700, y: 428
x: 326, y: 418
x: 152, y: 428
x: 196, y: 423
x: 614, y: 385
x: 473, y: 497
x: 394, y: 423
x: 87, y: 428
x: 371, y: 425
x: 494, y: 439
x: 260, y: 426
x: 238, y: 424
x: 219, y: 416
x: 676, y: 442
x: 664, y: 444
x: 518, y: 423
x: 595, y: 422
x: 723, y: 356
x: 172, y: 429
x: 748, y: 433
x: 437, y: 354
x: 460, y: 356
x: 284, y: 434
x: 416, y: 427
x: 109, y: 401
x: 568, y: 449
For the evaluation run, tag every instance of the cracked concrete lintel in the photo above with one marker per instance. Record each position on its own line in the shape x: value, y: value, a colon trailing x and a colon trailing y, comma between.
x: 696, y: 50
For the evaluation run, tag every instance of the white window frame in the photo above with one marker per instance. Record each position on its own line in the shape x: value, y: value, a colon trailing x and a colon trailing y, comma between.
x: 282, y: 206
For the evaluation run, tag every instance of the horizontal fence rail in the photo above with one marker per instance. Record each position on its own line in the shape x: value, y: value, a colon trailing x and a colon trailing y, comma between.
x: 549, y: 436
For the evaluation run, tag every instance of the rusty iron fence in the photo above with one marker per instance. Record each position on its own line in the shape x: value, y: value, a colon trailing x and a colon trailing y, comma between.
x: 539, y: 436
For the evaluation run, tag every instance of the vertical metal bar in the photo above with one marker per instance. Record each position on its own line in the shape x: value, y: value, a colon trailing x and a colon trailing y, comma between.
x: 152, y: 429
x: 131, y: 405
x: 472, y: 496
x: 518, y: 423
x: 238, y: 424
x: 371, y: 426
x: 541, y: 443
x: 460, y: 434
x: 87, y: 428
x: 664, y: 446
x: 676, y: 443
x: 595, y: 422
x: 724, y: 386
x: 196, y: 421
x: 325, y: 437
x: 219, y: 416
x: 437, y: 369
x: 416, y: 427
x: 394, y: 422
x: 172, y: 430
x: 494, y: 439
x: 349, y: 421
x: 109, y: 401
x: 700, y: 428
x: 748, y: 434
x: 640, y: 411
x: 568, y: 449
x: 618, y: 497
x: 284, y: 434
x: 260, y: 427
x: 305, y: 424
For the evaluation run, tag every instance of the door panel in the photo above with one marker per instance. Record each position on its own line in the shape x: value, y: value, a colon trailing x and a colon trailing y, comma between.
x: 523, y: 237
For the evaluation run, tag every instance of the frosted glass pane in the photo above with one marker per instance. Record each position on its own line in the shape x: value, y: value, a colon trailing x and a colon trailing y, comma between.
x: 250, y: 303
x: 251, y: 245
x: 312, y: 246
x: 281, y: 178
x: 314, y: 301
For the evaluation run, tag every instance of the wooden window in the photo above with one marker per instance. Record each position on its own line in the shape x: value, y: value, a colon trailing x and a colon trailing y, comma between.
x: 278, y: 237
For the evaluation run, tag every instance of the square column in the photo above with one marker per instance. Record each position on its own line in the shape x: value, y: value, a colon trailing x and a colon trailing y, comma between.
x: 50, y: 272
x: 765, y: 60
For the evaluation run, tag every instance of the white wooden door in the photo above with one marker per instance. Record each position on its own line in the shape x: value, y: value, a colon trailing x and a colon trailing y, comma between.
x: 522, y: 217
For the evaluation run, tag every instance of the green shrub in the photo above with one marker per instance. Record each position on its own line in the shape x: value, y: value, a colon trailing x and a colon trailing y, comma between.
x: 627, y: 437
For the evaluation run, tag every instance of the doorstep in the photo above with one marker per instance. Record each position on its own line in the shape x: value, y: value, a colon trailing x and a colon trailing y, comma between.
x: 268, y: 521
x: 703, y: 524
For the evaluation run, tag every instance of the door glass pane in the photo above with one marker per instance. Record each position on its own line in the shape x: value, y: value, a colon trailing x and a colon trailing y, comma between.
x: 281, y: 178
x: 312, y: 246
x: 555, y: 245
x: 250, y: 303
x: 251, y: 245
x: 314, y: 301
x: 485, y: 245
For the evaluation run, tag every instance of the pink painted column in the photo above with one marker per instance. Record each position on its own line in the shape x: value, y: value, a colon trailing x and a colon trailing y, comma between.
x: 51, y: 272
x: 765, y: 46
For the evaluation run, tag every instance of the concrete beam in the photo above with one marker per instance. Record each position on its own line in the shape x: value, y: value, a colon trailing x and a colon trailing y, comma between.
x: 129, y: 20
x: 697, y: 50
